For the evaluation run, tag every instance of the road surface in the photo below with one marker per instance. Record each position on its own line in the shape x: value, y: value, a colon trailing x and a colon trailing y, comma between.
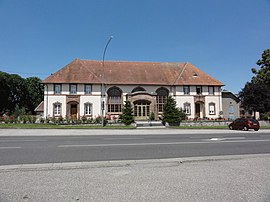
x: 40, y: 146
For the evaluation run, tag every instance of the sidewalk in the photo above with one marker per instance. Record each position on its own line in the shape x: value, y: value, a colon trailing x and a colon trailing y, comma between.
x: 237, y: 178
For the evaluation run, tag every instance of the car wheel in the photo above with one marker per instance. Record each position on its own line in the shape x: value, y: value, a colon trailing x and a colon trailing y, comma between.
x: 230, y: 127
x: 256, y: 129
x: 245, y: 128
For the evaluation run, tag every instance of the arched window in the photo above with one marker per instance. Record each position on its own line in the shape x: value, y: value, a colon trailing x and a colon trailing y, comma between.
x: 212, y: 108
x: 187, y: 108
x: 57, y: 109
x: 114, y: 100
x: 162, y: 95
x: 88, y: 108
x: 137, y: 89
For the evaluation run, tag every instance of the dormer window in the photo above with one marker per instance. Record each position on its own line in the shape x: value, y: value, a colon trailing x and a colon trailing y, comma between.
x: 195, y: 75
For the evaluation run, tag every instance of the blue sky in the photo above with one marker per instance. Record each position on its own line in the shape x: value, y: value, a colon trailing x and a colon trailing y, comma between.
x: 223, y: 38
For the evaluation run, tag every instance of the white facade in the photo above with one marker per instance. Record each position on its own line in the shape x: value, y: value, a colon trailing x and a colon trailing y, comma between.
x: 197, y: 101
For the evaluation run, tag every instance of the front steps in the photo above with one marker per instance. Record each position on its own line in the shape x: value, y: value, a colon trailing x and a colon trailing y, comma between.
x: 149, y: 124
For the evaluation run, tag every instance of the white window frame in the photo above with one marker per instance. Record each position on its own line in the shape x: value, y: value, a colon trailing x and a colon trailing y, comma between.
x: 57, y: 108
x: 187, y: 108
x: 88, y: 108
x: 212, y: 108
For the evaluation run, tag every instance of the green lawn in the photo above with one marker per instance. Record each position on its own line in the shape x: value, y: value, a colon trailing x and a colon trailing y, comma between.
x: 52, y: 126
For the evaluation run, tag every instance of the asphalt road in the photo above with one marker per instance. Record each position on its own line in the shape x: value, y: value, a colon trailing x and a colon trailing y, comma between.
x: 153, y: 144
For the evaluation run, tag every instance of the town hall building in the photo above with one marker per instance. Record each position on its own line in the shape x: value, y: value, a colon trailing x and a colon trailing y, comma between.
x: 94, y: 88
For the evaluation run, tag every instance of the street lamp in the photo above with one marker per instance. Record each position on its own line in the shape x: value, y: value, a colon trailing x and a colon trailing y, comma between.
x: 102, y: 83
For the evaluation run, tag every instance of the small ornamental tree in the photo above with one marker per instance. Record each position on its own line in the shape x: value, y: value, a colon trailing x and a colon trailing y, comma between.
x: 172, y: 114
x: 126, y: 116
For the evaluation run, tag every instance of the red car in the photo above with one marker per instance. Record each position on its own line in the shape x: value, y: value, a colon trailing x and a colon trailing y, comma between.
x: 244, y: 124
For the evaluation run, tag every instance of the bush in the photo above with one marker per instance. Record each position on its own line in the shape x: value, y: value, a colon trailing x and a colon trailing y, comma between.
x: 264, y: 117
x: 98, y: 120
x: 24, y: 119
x: 152, y: 116
x: 41, y: 120
x: 84, y: 119
x: 19, y: 111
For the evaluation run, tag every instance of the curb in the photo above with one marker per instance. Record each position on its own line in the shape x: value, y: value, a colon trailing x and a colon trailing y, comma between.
x: 125, y: 163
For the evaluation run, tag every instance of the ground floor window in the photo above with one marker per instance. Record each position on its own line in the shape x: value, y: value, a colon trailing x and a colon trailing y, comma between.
x: 114, y: 100
x: 212, y: 109
x: 57, y: 109
x: 162, y: 95
x: 114, y: 104
x: 187, y: 108
x: 87, y: 109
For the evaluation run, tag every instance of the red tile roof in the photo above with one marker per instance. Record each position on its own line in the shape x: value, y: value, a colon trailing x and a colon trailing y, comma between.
x: 138, y: 73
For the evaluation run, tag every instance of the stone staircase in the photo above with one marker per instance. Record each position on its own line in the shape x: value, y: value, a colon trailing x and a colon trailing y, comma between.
x: 149, y: 124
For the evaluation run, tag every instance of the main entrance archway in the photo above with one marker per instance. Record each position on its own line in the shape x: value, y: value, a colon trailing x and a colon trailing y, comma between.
x: 199, y: 110
x: 141, y: 109
x: 72, y: 109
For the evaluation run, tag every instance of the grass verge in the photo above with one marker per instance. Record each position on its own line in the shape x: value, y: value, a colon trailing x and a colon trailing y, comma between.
x: 52, y: 126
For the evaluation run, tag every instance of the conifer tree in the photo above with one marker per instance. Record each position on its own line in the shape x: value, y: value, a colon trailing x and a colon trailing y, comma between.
x: 172, y: 114
x: 127, y: 117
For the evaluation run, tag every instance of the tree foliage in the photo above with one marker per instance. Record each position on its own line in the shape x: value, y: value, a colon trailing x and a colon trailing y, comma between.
x: 256, y: 93
x: 263, y: 74
x: 35, y: 93
x: 127, y: 117
x: 256, y: 97
x: 172, y: 114
x: 17, y: 92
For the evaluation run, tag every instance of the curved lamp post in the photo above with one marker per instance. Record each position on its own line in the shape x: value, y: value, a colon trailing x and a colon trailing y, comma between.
x: 102, y: 84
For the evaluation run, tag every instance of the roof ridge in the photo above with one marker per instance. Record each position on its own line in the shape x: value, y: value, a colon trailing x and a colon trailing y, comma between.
x: 126, y: 61
x: 180, y: 74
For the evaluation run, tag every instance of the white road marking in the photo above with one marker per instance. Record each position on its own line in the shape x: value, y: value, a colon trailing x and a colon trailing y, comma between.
x: 227, y: 138
x: 234, y: 138
x: 10, y: 147
x: 162, y: 143
x: 216, y: 139
x: 123, y: 138
x: 23, y: 140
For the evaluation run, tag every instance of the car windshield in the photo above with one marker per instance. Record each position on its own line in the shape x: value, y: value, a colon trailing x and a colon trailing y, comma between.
x: 253, y: 120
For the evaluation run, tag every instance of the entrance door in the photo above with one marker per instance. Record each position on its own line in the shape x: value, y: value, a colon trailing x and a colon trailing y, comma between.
x: 198, y: 110
x: 141, y: 110
x: 73, y: 110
